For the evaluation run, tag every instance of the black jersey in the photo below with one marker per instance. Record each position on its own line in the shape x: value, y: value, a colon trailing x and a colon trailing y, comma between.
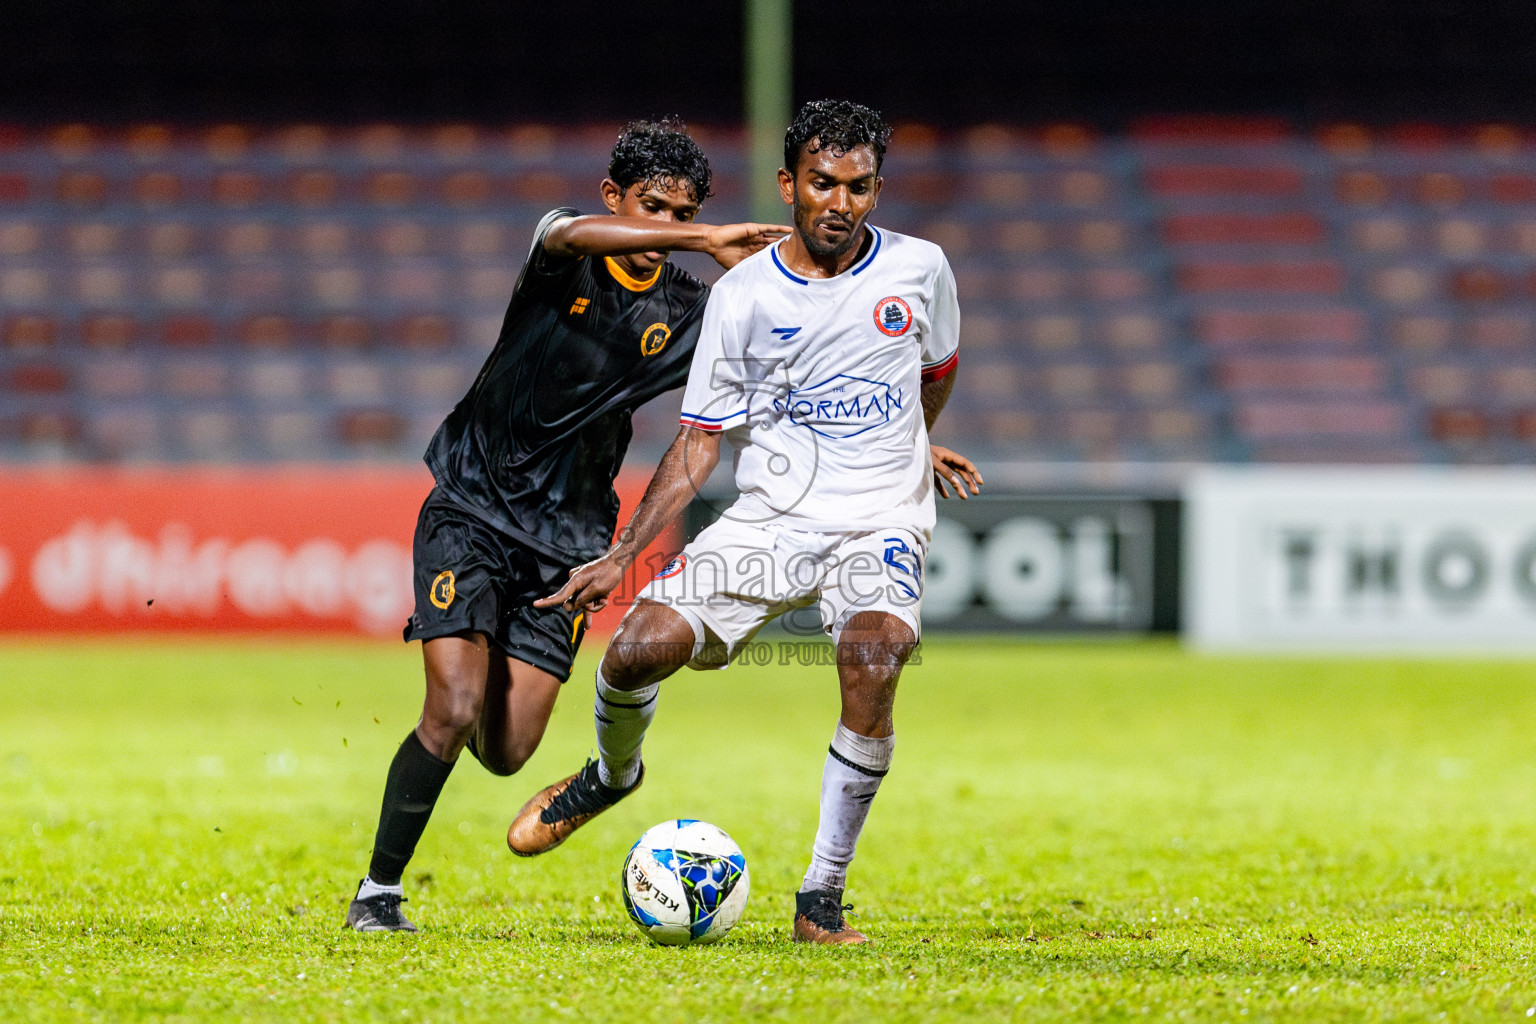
x: 534, y: 447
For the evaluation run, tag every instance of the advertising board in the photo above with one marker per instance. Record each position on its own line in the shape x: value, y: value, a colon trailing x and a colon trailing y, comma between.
x: 1385, y: 559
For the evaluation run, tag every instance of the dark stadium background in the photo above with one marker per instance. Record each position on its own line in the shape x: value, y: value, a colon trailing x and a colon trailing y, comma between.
x: 581, y: 59
x: 1186, y: 234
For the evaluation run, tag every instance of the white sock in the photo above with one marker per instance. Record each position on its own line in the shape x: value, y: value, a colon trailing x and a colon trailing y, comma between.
x: 371, y: 888
x: 622, y: 718
x: 855, y: 765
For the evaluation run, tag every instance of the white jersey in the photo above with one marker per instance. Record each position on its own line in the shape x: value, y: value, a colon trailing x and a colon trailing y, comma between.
x: 816, y: 384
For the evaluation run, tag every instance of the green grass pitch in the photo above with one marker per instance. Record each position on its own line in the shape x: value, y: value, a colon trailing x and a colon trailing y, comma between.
x: 1070, y: 831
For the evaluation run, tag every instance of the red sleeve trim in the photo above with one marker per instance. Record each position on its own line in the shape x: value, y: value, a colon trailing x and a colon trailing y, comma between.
x: 713, y: 428
x: 940, y: 370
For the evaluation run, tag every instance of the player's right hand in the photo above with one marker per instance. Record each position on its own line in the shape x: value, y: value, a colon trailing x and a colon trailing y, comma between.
x: 588, y: 588
x: 729, y: 244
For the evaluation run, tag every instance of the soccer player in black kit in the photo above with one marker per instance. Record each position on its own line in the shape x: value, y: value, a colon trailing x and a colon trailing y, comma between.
x: 598, y: 325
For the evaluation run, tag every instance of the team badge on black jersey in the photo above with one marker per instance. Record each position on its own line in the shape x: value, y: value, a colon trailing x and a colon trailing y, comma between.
x: 443, y: 591
x: 893, y: 316
x: 654, y: 339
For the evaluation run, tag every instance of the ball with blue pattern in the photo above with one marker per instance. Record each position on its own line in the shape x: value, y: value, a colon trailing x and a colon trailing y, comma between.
x: 685, y: 882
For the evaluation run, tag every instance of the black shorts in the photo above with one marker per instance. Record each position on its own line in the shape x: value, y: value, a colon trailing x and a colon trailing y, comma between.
x: 472, y: 577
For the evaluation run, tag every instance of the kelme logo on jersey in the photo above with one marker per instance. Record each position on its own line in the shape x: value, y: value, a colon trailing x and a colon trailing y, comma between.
x: 654, y: 339
x: 442, y: 592
x: 893, y: 316
x: 841, y: 406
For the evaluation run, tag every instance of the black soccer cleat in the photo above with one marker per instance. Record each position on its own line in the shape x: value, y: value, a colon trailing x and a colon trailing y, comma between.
x: 554, y: 812
x: 378, y: 913
x: 819, y: 919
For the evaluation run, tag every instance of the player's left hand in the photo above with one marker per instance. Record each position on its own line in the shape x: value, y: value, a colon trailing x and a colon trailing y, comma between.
x: 588, y: 588
x: 956, y: 470
x: 729, y: 244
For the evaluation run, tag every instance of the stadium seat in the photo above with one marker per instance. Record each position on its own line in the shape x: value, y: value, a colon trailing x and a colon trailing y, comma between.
x: 1205, y: 130
x: 226, y: 143
x: 1152, y: 382
x: 1055, y: 332
x: 132, y: 433
x: 1243, y: 229
x: 1442, y: 383
x: 1440, y: 188
x: 345, y: 332
x: 1037, y: 284
x: 1071, y: 383
x: 1421, y: 333
x: 1503, y: 330
x: 1459, y: 237
x: 196, y: 378
x: 37, y: 379
x: 1005, y: 190
x: 292, y: 435
x: 117, y: 376
x: 1263, y: 420
x: 1515, y: 385
x: 20, y: 237
x: 237, y: 189
x: 424, y: 332
x: 314, y: 188
x: 480, y: 239
x: 14, y: 188
x: 372, y: 428
x: 1083, y: 189
x: 50, y: 430
x: 544, y: 188
x: 1194, y: 180
x: 108, y: 331
x: 158, y: 189
x: 1135, y: 332
x: 1362, y: 188
x: 274, y: 380
x: 213, y: 434
x: 1247, y: 326
x: 193, y: 331
x: 29, y: 333
x: 81, y: 188
x: 1115, y: 284
x: 1478, y: 284
x: 1310, y: 277
x: 1302, y: 375
x: 269, y: 331
x: 1381, y: 234
x: 467, y: 189
x: 1459, y: 424
x: 1403, y: 286
x: 1513, y: 189
x: 391, y: 188
x: 1522, y: 425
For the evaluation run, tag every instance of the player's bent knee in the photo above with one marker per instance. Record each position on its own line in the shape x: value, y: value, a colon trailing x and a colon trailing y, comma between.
x: 652, y: 642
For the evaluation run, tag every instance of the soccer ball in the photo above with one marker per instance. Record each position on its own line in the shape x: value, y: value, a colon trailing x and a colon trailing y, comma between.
x: 685, y: 882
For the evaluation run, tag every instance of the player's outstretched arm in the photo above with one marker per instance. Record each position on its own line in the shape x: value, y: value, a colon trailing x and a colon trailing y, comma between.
x: 604, y: 235
x: 956, y: 470
x: 682, y: 472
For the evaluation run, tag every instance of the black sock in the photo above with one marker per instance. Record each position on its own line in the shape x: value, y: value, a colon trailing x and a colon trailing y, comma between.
x: 415, y: 780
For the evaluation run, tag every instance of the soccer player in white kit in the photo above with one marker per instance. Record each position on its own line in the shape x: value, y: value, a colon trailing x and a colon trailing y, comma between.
x: 823, y: 359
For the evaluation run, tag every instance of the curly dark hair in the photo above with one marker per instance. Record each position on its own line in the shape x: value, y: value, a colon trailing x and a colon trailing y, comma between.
x: 660, y: 153
x: 838, y: 125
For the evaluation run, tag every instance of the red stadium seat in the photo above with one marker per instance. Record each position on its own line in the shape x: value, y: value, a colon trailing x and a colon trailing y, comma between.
x: 1273, y: 181
x: 1362, y: 188
x: 345, y: 332
x: 14, y: 188
x: 1497, y: 140
x: 1299, y: 277
x: 544, y: 188
x: 1209, y: 130
x: 37, y: 379
x: 425, y: 332
x: 269, y: 331
x: 1332, y: 326
x: 1244, y: 229
x: 1345, y: 141
x: 1523, y: 425
x: 237, y: 189
x: 391, y: 188
x: 47, y: 428
x: 158, y: 188
x: 372, y: 428
x: 1459, y: 424
x: 1269, y: 420
x: 1440, y: 188
x: 82, y: 188
x: 1068, y: 141
x: 1309, y: 375
x: 1478, y: 284
x: 108, y: 331
x: 191, y: 331
x: 225, y: 143
x: 1419, y: 137
x: 29, y: 332
x: 1002, y: 189
x: 467, y: 189
x: 1023, y: 236
x: 314, y: 188
x: 930, y: 188
x: 455, y: 143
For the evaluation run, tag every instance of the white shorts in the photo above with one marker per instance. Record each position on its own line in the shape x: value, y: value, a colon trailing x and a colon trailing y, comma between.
x: 735, y: 577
